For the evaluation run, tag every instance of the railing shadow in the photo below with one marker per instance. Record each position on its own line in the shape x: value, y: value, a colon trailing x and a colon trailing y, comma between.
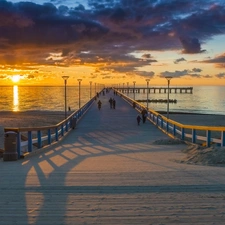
x: 56, y: 177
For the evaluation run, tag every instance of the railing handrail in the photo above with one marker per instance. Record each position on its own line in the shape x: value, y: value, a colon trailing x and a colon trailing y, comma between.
x: 22, y: 129
x: 60, y: 129
x: 177, y: 130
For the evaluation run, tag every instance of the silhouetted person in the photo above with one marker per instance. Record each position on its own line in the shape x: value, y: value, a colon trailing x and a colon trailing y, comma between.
x: 111, y: 103
x: 99, y: 104
x: 114, y: 103
x: 138, y: 119
x: 144, y: 114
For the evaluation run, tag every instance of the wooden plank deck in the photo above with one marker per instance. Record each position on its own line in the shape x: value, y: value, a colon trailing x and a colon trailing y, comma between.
x: 108, y: 171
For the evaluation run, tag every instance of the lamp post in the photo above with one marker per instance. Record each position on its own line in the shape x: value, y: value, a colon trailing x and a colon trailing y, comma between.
x: 65, y: 82
x: 168, y: 94
x: 127, y: 88
x: 79, y: 80
x: 147, y: 80
x: 134, y: 88
x: 90, y: 89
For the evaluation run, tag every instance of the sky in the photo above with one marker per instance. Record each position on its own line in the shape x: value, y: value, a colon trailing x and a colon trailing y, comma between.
x: 112, y: 42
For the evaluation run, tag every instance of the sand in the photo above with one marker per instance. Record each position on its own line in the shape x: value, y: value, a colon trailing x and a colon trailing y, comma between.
x: 28, y: 119
x: 213, y: 156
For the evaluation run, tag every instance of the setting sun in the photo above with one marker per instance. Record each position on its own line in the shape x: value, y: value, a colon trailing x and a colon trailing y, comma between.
x: 15, y: 78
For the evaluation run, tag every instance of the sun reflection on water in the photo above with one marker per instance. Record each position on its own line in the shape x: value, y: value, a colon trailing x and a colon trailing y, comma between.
x: 15, y: 98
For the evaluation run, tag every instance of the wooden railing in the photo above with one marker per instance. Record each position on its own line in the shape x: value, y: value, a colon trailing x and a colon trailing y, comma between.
x: 30, y: 139
x: 202, y: 135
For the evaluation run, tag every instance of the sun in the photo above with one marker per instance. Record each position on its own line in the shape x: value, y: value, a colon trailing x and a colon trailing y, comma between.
x: 15, y: 78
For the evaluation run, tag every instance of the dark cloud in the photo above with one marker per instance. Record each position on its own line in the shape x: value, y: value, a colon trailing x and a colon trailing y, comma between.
x: 177, y: 74
x: 191, y: 45
x: 174, y: 74
x: 179, y: 60
x: 118, y: 16
x: 197, y: 70
x: 146, y: 56
x: 207, y: 76
x: 220, y: 75
x: 107, y: 30
x: 219, y: 61
x: 146, y: 75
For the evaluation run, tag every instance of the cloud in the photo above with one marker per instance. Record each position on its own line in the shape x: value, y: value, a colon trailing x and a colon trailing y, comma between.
x: 174, y: 74
x: 218, y: 60
x: 207, y: 76
x: 220, y: 75
x: 197, y: 70
x: 179, y: 60
x: 178, y: 74
x: 108, y: 30
x: 191, y: 45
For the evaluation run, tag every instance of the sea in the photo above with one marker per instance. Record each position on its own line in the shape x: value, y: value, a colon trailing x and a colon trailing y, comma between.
x: 203, y: 99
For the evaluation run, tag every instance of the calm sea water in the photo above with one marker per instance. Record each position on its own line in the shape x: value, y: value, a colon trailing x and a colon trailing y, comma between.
x: 204, y: 99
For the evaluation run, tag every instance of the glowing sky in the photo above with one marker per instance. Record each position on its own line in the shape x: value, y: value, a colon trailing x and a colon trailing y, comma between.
x: 113, y: 41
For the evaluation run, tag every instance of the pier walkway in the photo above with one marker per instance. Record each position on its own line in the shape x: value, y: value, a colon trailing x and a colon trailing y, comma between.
x: 109, y: 171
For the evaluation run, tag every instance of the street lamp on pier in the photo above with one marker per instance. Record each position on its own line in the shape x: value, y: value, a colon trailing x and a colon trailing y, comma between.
x: 90, y: 89
x: 134, y: 82
x: 65, y: 82
x: 79, y: 80
x: 134, y: 88
x: 168, y: 94
x: 147, y: 80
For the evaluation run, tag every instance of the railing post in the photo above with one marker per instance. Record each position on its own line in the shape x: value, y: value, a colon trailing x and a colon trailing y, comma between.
x: 167, y: 126
x: 161, y: 122
x: 157, y: 120
x: 56, y: 134
x: 182, y: 133
x: 193, y: 136
x: 222, y: 138
x: 39, y: 139
x: 174, y: 130
x: 29, y: 141
x: 49, y: 137
x: 67, y: 126
x: 208, y: 136
x: 19, y: 144
x: 62, y: 130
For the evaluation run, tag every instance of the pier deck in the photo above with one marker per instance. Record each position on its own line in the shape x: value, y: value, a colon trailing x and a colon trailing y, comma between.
x: 109, y: 171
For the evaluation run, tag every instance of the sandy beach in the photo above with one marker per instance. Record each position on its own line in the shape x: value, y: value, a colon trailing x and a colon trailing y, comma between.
x: 207, y: 156
x: 28, y: 119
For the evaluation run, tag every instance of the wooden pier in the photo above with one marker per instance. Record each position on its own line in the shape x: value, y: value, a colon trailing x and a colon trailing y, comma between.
x: 182, y: 90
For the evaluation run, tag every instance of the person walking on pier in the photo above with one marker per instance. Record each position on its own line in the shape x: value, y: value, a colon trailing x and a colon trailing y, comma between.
x: 111, y: 103
x: 114, y: 103
x: 144, y: 114
x: 138, y: 119
x: 99, y: 104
